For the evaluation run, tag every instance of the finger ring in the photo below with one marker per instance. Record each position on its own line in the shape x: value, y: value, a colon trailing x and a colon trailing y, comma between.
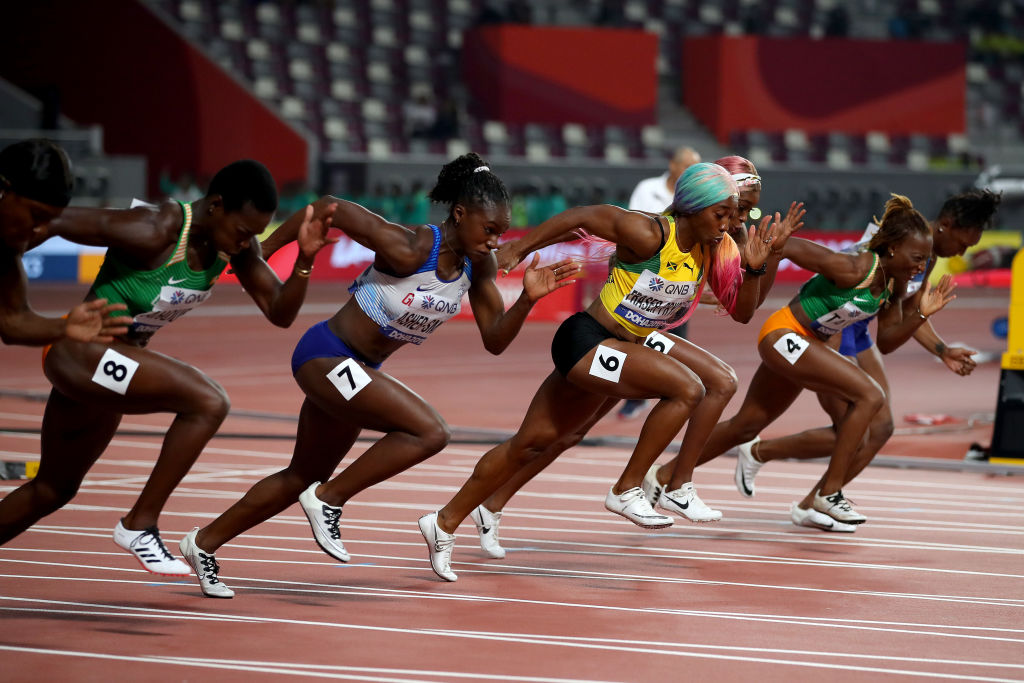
x: 767, y: 240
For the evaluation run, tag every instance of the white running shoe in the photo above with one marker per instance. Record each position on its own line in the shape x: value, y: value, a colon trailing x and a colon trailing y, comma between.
x: 205, y: 566
x: 747, y: 467
x: 651, y: 486
x: 685, y: 502
x: 817, y: 520
x: 838, y: 508
x: 440, y: 545
x: 487, y: 526
x: 633, y: 505
x: 324, y: 519
x: 149, y: 549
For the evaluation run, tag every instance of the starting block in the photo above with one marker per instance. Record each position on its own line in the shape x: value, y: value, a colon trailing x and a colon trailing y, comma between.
x: 1008, y: 431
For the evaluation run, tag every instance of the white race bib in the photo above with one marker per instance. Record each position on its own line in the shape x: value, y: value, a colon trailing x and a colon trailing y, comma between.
x: 170, y: 304
x: 607, y: 363
x: 115, y: 371
x: 791, y: 346
x: 349, y: 378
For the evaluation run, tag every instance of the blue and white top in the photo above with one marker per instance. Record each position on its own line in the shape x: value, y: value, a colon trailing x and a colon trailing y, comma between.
x: 410, y: 308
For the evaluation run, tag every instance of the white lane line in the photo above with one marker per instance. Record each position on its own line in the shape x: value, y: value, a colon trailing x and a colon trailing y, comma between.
x: 290, y: 668
x: 582, y: 574
x: 516, y: 638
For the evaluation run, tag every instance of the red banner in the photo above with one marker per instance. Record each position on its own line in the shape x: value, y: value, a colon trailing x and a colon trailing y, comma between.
x: 544, y: 74
x: 818, y: 86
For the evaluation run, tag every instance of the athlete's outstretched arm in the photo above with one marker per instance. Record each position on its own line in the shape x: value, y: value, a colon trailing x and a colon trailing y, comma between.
x: 141, y: 231
x: 399, y: 249
x: 845, y: 270
x: 636, y: 234
x: 499, y: 327
x: 280, y: 301
x: 19, y: 324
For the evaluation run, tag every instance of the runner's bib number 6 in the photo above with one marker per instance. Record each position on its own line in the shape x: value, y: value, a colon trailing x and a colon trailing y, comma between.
x: 607, y: 363
x: 115, y: 371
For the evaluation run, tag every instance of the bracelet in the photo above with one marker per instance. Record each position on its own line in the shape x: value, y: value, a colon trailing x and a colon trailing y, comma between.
x: 303, y: 272
x: 923, y: 316
x: 756, y: 272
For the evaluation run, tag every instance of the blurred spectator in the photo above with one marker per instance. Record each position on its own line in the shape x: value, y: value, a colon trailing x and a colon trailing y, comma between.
x: 837, y: 22
x: 446, y: 124
x: 420, y: 116
x: 417, y: 205
x: 655, y: 194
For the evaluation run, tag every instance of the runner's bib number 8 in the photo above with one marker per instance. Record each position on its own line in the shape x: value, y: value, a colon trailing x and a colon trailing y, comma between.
x: 115, y: 371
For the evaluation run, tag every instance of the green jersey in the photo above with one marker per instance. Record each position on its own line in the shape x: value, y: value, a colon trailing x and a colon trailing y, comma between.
x: 162, y: 295
x: 831, y: 308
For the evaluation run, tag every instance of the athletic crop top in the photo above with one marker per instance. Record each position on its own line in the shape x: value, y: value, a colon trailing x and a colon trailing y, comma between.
x: 410, y: 308
x: 162, y: 295
x: 653, y: 295
x: 831, y: 308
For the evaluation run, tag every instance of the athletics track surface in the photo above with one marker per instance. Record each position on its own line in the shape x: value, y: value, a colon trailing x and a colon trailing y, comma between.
x: 931, y: 587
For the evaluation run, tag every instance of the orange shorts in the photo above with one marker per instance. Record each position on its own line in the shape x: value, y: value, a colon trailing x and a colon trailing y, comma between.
x: 783, y: 319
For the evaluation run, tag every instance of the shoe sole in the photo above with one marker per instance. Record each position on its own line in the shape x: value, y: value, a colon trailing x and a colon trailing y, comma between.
x: 835, y: 527
x: 642, y: 525
x: 142, y: 564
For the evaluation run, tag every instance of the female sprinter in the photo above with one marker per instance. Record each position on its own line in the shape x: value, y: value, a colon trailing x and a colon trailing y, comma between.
x: 35, y: 186
x: 614, y: 349
x: 959, y: 225
x: 487, y: 516
x: 795, y: 356
x: 161, y: 262
x: 416, y: 282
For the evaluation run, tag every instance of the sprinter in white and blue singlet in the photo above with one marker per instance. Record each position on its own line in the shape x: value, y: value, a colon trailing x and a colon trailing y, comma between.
x: 958, y: 227
x: 415, y: 284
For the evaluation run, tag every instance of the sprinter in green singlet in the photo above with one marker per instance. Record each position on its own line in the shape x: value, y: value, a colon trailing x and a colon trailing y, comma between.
x: 161, y: 262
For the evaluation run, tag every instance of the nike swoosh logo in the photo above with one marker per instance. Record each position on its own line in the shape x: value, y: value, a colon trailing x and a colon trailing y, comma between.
x: 746, y: 489
x: 485, y: 530
x: 681, y: 506
x: 438, y: 548
x: 172, y: 281
x: 825, y: 526
x: 429, y: 286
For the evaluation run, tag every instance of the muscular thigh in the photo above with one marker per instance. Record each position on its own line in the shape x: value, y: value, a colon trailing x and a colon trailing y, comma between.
x: 363, y: 396
x: 125, y: 378
x: 619, y: 369
x: 813, y: 365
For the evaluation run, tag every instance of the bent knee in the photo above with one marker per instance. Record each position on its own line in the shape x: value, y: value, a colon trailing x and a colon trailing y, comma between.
x: 51, y: 496
x: 213, y: 402
x: 722, y: 383
x: 435, y: 437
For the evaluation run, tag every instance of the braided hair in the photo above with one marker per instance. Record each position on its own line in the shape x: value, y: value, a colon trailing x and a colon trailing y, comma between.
x: 469, y: 181
x: 972, y: 209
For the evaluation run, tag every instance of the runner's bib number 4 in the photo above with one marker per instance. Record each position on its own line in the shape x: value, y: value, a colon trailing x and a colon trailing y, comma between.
x: 791, y: 346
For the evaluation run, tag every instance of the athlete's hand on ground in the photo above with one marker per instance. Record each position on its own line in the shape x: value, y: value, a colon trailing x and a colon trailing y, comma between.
x: 507, y: 257
x: 88, y: 322
x: 313, y: 231
x: 934, y: 299
x: 538, y: 282
x: 959, y: 360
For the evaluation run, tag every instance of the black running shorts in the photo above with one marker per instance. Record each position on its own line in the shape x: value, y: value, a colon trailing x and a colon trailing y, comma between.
x: 574, y: 338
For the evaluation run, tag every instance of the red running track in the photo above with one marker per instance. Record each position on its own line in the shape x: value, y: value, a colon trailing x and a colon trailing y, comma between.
x: 931, y: 587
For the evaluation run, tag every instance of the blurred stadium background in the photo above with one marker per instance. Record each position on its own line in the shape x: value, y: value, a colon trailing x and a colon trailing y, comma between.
x: 572, y: 101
